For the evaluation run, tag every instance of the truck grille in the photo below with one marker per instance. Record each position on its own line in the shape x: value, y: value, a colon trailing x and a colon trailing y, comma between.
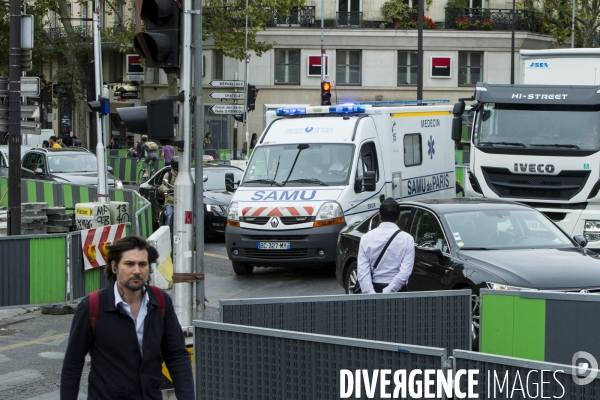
x: 276, y: 254
x: 563, y: 186
x: 284, y: 238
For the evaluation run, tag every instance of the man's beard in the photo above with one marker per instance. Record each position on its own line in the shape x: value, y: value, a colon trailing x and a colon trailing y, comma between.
x: 133, y: 286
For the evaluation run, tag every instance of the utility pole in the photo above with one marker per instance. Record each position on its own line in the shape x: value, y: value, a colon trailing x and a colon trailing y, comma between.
x: 246, y: 99
x: 184, y: 186
x: 322, y: 42
x: 14, y: 120
x: 100, y: 151
x: 199, y: 175
x: 512, y: 47
x: 420, y: 51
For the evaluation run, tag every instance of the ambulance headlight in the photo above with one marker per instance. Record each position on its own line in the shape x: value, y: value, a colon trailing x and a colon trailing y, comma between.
x: 233, y: 217
x: 329, y: 213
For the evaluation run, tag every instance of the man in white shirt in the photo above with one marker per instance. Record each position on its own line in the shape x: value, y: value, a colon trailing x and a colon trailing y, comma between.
x: 396, y: 265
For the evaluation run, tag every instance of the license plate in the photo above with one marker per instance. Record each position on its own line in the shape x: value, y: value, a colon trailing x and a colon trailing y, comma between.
x: 273, y: 245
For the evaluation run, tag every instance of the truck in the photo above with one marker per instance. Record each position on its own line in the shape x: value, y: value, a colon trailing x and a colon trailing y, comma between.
x: 538, y: 142
x: 317, y: 169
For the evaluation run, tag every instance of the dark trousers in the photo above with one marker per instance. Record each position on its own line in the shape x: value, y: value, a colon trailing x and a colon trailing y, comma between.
x: 380, y: 286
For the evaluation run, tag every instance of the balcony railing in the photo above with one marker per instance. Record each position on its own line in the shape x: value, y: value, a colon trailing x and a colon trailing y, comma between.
x: 303, y: 16
x: 84, y: 31
x: 500, y: 19
x: 348, y: 19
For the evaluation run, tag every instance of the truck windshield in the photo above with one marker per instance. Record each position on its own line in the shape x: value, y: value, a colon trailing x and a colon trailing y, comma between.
x: 297, y: 165
x: 572, y: 127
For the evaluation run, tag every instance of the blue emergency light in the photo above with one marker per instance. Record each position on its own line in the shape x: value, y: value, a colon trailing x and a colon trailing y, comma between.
x: 338, y: 109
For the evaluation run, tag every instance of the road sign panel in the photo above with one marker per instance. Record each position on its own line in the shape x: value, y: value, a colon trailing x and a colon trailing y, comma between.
x: 26, y: 111
x: 227, y: 109
x: 26, y: 126
x: 3, y: 86
x: 235, y: 96
x: 30, y: 86
x: 227, y: 84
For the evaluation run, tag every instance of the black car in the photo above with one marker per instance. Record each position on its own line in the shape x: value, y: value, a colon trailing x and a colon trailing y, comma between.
x: 69, y: 165
x: 474, y: 243
x: 216, y: 198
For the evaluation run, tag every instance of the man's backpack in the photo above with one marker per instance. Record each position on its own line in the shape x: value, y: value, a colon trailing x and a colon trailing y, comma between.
x: 95, y: 305
x: 151, y: 146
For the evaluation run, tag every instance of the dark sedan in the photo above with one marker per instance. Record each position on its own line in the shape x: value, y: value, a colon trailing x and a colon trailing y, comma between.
x: 479, y: 243
x: 216, y: 198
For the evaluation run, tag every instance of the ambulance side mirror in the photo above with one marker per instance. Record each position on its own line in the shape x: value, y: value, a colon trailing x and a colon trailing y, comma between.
x: 229, y: 183
x: 369, y: 181
x: 457, y: 111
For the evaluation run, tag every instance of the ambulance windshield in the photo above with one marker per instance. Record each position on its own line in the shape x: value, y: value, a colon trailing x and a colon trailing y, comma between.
x: 538, y: 126
x: 300, y: 165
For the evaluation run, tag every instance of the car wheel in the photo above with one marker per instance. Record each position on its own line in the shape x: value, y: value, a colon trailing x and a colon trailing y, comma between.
x: 351, y: 278
x: 476, y: 320
x: 242, y: 268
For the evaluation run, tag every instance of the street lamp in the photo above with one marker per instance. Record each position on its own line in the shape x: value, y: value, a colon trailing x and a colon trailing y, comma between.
x: 512, y: 47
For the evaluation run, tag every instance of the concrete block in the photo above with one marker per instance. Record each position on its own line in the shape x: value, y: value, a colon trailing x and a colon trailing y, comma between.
x: 56, y: 210
x: 34, y: 206
x: 36, y: 219
x: 59, y: 217
x: 31, y: 213
x: 162, y: 270
x: 57, y: 229
x: 91, y: 215
x: 119, y: 212
x: 64, y: 222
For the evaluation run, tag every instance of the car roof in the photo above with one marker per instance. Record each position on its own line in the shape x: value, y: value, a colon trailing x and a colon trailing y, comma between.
x: 61, y: 150
x: 453, y: 204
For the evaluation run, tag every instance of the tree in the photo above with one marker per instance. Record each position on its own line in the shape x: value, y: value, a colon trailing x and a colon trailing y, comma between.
x: 587, y: 20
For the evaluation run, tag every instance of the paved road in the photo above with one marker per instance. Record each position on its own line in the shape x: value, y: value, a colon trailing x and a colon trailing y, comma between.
x: 32, y: 345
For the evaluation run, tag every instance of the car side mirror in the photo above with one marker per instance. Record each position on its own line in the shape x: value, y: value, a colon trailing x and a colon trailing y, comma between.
x: 369, y: 181
x: 204, y: 178
x: 110, y: 170
x: 580, y: 240
x: 427, y: 246
x: 229, y: 183
x: 38, y: 171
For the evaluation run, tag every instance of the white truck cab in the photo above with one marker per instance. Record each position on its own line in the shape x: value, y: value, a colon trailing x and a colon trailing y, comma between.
x: 316, y: 169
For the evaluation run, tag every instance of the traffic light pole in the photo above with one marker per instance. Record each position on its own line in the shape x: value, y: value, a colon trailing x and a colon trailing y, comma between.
x: 100, y: 152
x: 14, y: 120
x: 246, y: 99
x: 184, y: 187
x: 199, y: 175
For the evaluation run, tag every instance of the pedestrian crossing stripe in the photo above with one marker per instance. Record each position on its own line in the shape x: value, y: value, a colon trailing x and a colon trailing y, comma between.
x: 167, y: 382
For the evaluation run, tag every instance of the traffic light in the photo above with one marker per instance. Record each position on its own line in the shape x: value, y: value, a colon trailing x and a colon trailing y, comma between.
x: 102, y: 106
x: 251, y: 96
x: 159, y: 44
x: 157, y: 119
x: 325, y: 93
x: 26, y: 60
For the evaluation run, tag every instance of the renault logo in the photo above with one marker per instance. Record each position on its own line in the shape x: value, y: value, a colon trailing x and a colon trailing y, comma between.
x: 274, y: 222
x: 584, y: 291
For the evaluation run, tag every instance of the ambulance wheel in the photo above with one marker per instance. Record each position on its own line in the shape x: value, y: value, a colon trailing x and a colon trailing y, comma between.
x: 242, y: 268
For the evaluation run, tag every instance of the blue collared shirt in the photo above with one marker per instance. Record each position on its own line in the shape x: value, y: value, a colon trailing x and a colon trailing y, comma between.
x: 139, y: 323
x: 395, y: 266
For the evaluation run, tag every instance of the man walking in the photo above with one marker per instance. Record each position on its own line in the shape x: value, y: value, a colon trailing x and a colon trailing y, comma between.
x: 134, y: 330
x: 168, y: 152
x: 397, y: 258
x: 168, y: 190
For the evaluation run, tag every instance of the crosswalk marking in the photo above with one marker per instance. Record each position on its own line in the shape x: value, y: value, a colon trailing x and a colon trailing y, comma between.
x: 19, y: 378
x: 4, y: 358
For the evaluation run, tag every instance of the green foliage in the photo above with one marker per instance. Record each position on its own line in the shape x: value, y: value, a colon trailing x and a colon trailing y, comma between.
x: 226, y: 24
x: 396, y: 10
x: 558, y: 20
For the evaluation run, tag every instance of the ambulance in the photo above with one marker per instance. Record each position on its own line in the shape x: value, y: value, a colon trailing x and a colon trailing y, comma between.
x: 317, y: 169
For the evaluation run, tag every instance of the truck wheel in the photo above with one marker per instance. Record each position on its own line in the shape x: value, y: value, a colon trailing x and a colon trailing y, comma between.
x: 242, y: 268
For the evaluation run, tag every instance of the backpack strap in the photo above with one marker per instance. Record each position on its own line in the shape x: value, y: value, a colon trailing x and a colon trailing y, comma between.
x: 162, y: 304
x: 94, y: 309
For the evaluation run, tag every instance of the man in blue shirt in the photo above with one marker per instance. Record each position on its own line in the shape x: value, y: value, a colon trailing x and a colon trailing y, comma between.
x: 396, y: 264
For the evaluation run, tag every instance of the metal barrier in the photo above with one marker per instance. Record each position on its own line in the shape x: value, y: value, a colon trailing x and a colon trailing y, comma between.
x: 543, y: 326
x: 33, y: 269
x: 241, y: 362
x: 529, y: 379
x: 439, y: 319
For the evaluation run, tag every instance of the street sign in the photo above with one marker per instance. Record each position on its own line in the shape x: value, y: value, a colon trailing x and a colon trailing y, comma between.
x: 235, y: 96
x: 30, y: 86
x: 227, y: 109
x: 131, y: 78
x: 227, y: 84
x: 26, y: 126
x: 26, y: 111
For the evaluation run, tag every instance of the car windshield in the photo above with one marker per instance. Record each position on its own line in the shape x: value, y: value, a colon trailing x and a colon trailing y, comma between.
x: 503, y: 229
x: 300, y: 164
x: 72, y: 163
x: 216, y: 177
x: 538, y: 126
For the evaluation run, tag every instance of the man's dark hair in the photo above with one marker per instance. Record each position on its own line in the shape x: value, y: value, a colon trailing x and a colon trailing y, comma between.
x: 53, y: 138
x: 116, y: 250
x: 389, y: 210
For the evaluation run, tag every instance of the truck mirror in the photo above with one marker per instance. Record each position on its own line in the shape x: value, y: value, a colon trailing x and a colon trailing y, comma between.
x: 369, y: 181
x: 109, y: 169
x: 457, y: 127
x: 229, y: 185
x: 459, y: 108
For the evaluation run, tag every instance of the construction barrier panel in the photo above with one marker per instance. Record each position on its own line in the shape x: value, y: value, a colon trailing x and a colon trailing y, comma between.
x: 439, y: 319
x: 33, y: 269
x: 127, y: 169
x: 516, y: 378
x: 65, y: 195
x: 242, y: 362
x: 543, y: 326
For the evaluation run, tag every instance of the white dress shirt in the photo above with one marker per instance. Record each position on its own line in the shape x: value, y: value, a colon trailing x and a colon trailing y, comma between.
x: 139, y: 323
x: 395, y: 266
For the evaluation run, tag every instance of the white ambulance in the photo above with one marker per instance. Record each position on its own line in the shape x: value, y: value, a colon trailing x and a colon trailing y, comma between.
x: 316, y: 169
